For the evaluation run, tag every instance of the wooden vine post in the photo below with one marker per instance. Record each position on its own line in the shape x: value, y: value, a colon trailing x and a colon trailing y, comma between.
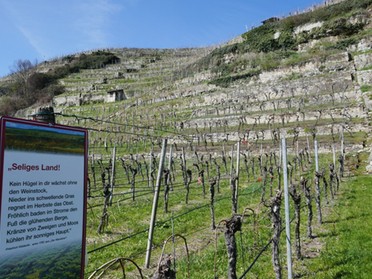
x: 237, y: 175
x: 155, y: 204
x: 317, y: 187
x: 286, y: 205
x: 112, y: 181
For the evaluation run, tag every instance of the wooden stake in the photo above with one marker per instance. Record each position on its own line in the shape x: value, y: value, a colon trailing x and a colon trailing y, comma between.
x: 155, y: 204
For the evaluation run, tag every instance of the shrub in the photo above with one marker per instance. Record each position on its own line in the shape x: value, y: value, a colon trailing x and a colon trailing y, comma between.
x: 261, y: 39
x: 227, y: 80
x: 286, y: 41
x: 366, y: 88
x: 341, y: 27
x: 95, y: 60
x: 37, y: 81
x: 343, y: 44
x: 3, y: 90
x: 9, y: 105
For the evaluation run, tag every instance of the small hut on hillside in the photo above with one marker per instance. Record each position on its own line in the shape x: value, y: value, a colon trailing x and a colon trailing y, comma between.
x: 115, y: 96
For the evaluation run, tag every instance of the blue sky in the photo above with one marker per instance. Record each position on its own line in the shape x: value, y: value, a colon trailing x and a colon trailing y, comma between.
x: 40, y: 30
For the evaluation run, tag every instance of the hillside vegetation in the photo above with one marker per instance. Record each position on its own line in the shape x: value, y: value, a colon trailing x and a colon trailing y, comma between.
x: 307, y: 77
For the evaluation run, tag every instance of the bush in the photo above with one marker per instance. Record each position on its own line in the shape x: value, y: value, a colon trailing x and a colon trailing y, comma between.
x: 3, y: 90
x: 227, y: 80
x: 37, y: 81
x: 261, y: 39
x: 286, y: 41
x: 330, y: 12
x: 96, y: 60
x: 341, y: 27
x: 10, y: 105
x: 61, y: 72
x: 343, y: 44
x: 366, y: 88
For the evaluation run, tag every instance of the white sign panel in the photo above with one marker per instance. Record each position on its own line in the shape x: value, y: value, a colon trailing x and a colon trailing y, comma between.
x: 43, y: 200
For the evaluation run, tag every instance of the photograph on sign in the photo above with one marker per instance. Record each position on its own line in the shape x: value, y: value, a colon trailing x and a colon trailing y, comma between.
x: 42, y: 220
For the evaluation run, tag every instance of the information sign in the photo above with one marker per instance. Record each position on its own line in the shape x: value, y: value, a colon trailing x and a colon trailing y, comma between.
x: 42, y: 200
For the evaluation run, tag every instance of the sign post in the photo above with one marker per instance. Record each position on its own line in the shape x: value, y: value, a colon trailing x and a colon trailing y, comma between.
x: 43, y: 171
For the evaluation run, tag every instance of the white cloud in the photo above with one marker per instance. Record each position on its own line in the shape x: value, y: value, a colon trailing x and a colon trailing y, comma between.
x: 55, y: 28
x: 35, y: 41
x: 94, y: 21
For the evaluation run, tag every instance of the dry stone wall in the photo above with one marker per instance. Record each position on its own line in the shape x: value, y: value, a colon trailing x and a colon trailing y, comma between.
x: 322, y: 94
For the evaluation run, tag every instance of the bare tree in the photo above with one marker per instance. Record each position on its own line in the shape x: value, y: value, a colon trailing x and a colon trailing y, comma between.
x: 22, y: 70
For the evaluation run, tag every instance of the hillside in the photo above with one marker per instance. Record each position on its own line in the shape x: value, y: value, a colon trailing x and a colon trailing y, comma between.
x: 307, y: 76
x: 251, y: 90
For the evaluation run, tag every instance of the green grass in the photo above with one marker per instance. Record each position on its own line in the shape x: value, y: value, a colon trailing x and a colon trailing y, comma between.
x: 366, y: 88
x: 341, y: 237
x: 344, y: 241
x: 347, y: 237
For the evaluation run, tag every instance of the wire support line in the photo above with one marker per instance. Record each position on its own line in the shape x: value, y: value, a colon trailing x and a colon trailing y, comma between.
x: 117, y: 241
x: 260, y: 253
x: 159, y: 224
x: 79, y: 117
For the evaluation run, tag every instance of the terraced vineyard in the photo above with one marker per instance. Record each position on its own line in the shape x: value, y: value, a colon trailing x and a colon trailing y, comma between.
x: 216, y: 106
x: 322, y: 97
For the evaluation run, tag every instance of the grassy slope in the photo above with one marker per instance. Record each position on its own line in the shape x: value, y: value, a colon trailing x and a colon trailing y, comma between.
x: 341, y: 248
x: 334, y: 237
x: 347, y: 237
